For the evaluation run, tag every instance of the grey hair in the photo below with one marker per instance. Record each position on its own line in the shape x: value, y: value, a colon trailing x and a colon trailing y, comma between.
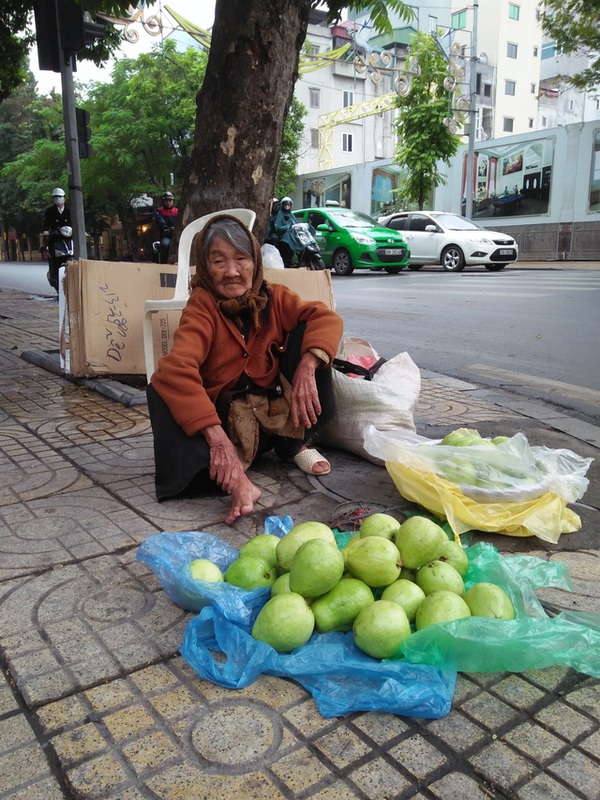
x: 232, y: 232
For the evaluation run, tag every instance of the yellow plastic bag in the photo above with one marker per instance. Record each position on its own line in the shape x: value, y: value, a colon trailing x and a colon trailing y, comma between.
x: 546, y: 517
x: 512, y: 488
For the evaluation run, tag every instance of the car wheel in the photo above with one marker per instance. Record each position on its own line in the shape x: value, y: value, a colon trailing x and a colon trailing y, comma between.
x: 393, y: 270
x: 342, y: 262
x: 415, y: 267
x: 494, y: 267
x: 453, y: 259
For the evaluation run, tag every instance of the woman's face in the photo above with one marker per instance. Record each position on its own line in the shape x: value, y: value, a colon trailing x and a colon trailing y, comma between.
x: 231, y: 270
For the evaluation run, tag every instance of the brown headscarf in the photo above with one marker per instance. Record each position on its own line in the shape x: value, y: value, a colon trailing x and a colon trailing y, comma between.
x: 250, y: 304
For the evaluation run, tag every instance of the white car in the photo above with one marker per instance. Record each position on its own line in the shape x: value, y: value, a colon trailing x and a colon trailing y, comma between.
x: 436, y: 237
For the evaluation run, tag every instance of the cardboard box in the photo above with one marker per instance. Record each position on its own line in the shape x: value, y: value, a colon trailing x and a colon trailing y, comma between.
x: 101, y: 334
x: 102, y: 330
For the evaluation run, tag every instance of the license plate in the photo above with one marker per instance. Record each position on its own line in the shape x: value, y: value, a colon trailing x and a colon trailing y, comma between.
x: 393, y: 251
x: 505, y: 252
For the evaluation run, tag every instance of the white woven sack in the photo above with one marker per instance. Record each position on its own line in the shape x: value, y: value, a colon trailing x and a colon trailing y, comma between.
x: 387, y: 402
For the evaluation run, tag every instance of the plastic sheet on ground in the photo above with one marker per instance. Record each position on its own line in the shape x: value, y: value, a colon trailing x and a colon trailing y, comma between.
x: 340, y: 678
x: 533, y: 640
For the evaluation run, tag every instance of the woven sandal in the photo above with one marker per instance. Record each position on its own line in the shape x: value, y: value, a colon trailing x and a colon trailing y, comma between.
x: 306, y: 459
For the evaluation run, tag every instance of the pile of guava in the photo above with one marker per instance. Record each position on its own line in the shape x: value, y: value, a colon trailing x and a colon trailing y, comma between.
x: 389, y: 580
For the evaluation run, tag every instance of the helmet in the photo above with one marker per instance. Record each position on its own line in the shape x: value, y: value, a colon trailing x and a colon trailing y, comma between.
x: 58, y: 192
x: 287, y: 201
x: 168, y: 196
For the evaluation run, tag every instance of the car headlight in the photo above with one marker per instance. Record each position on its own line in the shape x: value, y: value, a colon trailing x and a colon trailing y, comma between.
x: 480, y: 240
x: 362, y: 239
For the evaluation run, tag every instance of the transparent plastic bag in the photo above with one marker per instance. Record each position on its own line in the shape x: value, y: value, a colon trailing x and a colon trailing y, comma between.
x: 337, y: 674
x: 533, y: 640
x: 169, y: 555
x: 523, y: 490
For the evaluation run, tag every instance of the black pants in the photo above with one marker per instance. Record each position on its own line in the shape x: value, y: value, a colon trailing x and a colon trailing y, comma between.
x: 182, y: 462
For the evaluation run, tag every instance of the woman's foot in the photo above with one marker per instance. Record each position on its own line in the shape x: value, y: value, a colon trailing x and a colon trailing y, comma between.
x: 311, y: 461
x: 243, y: 497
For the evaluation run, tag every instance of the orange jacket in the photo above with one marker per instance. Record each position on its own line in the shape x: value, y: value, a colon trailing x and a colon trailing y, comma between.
x: 210, y: 354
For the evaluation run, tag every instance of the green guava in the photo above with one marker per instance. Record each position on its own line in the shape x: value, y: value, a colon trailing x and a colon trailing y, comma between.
x: 380, y: 629
x: 419, y: 540
x: 338, y: 608
x: 250, y: 572
x: 441, y: 607
x: 286, y: 548
x: 407, y: 594
x: 204, y: 570
x: 264, y: 546
x: 439, y: 576
x: 489, y: 600
x: 379, y: 525
x: 374, y: 560
x: 316, y: 568
x: 285, y: 622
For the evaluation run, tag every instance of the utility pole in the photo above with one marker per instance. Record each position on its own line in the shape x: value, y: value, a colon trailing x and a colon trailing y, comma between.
x: 73, y: 163
x: 472, y: 116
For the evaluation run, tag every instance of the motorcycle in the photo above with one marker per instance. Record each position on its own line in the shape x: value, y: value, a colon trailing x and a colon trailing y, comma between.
x: 309, y: 252
x: 160, y: 248
x: 60, y: 250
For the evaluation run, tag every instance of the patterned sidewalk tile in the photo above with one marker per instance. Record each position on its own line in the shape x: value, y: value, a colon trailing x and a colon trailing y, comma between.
x: 30, y: 470
x: 65, y: 528
x: 83, y: 624
x: 164, y: 730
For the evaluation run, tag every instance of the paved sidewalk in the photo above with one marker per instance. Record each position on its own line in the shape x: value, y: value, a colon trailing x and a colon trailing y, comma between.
x: 96, y: 702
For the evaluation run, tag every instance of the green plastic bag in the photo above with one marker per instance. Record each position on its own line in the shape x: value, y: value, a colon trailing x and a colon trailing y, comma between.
x: 533, y: 640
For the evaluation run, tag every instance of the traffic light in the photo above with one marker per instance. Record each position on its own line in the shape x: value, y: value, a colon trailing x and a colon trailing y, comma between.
x: 84, y: 133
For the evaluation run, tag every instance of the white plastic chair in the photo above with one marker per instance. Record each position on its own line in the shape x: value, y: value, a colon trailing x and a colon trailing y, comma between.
x: 182, y: 282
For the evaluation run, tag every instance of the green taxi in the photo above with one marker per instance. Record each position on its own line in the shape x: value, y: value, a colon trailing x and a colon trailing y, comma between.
x: 350, y: 240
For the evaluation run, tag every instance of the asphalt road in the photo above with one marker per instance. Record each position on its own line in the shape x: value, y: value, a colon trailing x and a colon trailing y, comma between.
x: 535, y: 332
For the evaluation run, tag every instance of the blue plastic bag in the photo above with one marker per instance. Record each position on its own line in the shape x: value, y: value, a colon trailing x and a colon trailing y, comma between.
x: 169, y: 555
x: 337, y: 674
x: 533, y: 640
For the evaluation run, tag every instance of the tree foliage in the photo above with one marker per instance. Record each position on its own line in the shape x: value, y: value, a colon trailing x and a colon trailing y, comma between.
x: 285, y: 181
x: 32, y: 156
x: 575, y: 27
x: 423, y: 139
x: 17, y: 34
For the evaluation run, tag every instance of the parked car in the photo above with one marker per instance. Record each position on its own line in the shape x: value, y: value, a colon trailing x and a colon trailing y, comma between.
x: 349, y: 240
x: 437, y: 237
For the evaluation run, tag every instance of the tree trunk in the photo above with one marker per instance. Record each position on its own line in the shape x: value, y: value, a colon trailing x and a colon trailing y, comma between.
x: 250, y: 76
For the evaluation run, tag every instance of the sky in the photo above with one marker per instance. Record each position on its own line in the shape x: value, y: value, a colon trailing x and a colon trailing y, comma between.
x: 200, y: 12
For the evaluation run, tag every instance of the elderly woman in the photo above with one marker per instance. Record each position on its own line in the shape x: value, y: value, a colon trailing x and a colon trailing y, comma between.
x: 249, y: 371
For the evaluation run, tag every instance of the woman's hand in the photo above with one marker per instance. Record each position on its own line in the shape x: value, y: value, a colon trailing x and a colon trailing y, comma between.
x: 305, y: 405
x: 225, y: 467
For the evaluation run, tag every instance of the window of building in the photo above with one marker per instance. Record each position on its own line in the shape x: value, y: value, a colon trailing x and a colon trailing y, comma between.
x: 487, y: 89
x: 314, y: 137
x: 544, y: 122
x: 531, y: 122
x: 507, y: 124
x: 511, y: 50
x: 513, y: 11
x: 348, y: 99
x: 532, y: 87
x: 314, y: 98
x: 347, y: 142
x: 535, y: 51
x: 571, y: 105
x: 509, y: 87
x: 432, y: 24
x: 459, y: 20
x: 314, y: 49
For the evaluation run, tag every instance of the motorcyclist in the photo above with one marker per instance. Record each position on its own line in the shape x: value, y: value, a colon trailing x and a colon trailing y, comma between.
x: 56, y: 216
x: 285, y: 239
x: 166, y: 216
